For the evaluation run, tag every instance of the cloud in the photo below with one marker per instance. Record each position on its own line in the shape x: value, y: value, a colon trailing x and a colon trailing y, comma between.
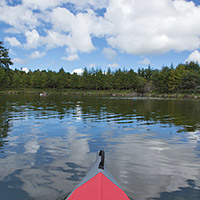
x: 77, y: 27
x: 79, y: 5
x: 145, y: 61
x: 19, y: 17
x: 78, y: 71
x: 32, y: 39
x: 12, y: 41
x: 71, y: 57
x: 18, y: 60
x: 62, y: 19
x: 37, y: 54
x: 113, y: 65
x: 54, y: 39
x: 42, y: 5
x: 85, y: 4
x: 25, y: 69
x: 154, y: 26
x: 31, y: 147
x: 81, y: 33
x: 109, y: 53
x: 136, y: 27
x: 165, y: 175
x: 194, y: 56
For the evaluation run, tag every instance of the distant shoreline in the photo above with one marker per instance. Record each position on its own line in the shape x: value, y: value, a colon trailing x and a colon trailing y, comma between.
x: 112, y: 93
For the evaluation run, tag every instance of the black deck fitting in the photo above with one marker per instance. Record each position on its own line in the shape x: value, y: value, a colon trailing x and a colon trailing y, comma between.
x: 101, y: 164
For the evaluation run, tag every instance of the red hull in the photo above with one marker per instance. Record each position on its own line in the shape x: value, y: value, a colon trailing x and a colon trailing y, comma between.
x: 98, y: 185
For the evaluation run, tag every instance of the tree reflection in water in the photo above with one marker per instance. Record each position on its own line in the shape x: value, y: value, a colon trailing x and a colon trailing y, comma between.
x: 51, y: 143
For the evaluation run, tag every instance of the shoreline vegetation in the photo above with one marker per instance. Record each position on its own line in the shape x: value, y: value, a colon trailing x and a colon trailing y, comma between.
x: 182, y: 81
x: 110, y: 93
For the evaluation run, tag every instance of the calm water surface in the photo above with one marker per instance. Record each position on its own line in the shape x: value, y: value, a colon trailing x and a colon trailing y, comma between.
x: 47, y: 145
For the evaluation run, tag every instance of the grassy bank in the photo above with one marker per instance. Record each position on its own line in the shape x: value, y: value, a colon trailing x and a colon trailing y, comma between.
x: 71, y: 92
x: 113, y: 93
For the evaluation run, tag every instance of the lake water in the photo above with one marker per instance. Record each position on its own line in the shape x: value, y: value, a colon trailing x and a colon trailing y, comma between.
x: 47, y: 145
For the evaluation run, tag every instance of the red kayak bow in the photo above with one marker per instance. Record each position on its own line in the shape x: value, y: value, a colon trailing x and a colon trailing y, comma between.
x: 98, y: 184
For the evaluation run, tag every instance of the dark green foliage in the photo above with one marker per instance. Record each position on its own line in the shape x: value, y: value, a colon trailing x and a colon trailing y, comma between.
x: 183, y: 78
x: 167, y: 80
x: 146, y: 73
x: 62, y: 79
x: 5, y: 61
x: 160, y: 80
x: 5, y: 72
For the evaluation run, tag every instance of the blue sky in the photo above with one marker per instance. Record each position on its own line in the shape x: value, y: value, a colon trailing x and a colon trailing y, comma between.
x: 74, y: 34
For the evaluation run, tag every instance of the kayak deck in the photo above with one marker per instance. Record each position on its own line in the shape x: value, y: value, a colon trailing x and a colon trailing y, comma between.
x: 98, y: 184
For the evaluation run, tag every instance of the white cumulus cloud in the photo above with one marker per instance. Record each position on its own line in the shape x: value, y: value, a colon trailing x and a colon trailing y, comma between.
x: 79, y: 5
x: 78, y: 71
x: 42, y: 5
x: 85, y: 4
x: 55, y: 39
x: 109, y: 53
x: 12, y: 41
x: 32, y: 39
x: 25, y: 69
x: 153, y: 26
x: 71, y: 57
x: 194, y: 56
x: 133, y: 26
x: 37, y: 54
x: 77, y: 27
x: 19, y: 17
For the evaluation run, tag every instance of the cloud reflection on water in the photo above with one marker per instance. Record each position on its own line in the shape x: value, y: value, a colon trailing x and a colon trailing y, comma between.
x: 49, y: 154
x: 150, y: 167
x: 143, y: 167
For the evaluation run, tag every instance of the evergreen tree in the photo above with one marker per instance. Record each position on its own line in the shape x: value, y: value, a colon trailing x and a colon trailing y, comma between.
x: 5, y: 60
x: 160, y: 80
x: 62, y: 79
x: 5, y: 72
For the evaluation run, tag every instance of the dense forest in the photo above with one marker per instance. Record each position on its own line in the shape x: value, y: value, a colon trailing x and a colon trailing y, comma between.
x: 184, y: 78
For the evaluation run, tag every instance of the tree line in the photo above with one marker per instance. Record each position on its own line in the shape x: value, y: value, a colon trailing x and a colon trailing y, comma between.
x: 182, y: 78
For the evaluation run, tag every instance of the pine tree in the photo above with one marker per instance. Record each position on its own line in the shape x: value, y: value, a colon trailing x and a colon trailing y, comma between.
x: 5, y: 60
